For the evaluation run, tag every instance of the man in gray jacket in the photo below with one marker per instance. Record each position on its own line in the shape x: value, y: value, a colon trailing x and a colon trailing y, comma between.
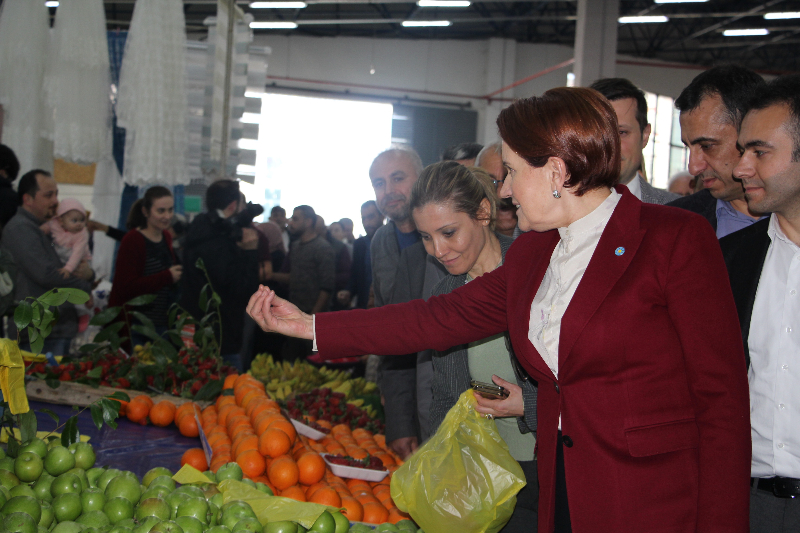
x: 36, y: 258
x: 401, y: 272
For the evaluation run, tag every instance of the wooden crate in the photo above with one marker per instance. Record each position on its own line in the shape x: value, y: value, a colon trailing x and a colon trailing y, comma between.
x: 82, y: 395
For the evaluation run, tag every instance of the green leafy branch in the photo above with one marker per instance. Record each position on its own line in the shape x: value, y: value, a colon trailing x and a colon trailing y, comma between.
x: 39, y: 319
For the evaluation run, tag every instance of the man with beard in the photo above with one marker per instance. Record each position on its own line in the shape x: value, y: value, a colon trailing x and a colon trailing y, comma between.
x: 712, y: 107
x: 309, y: 271
x: 361, y: 269
x: 398, y: 253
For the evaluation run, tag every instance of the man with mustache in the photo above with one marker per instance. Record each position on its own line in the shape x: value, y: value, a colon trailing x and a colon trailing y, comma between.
x: 712, y: 107
x: 397, y: 253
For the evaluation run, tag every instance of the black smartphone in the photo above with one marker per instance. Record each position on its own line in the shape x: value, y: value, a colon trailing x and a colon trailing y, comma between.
x: 489, y: 390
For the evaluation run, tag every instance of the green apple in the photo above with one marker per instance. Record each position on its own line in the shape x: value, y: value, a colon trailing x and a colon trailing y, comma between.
x: 386, y: 527
x: 153, y: 507
x: 156, y: 491
x: 146, y: 524
x: 209, y: 491
x: 213, y: 514
x: 28, y: 466
x: 118, y: 509
x: 2, y: 453
x: 8, y: 479
x: 128, y: 523
x: 96, y: 519
x: 230, y: 471
x: 301, y: 529
x: 174, y: 499
x: 20, y: 523
x: 81, y: 473
x: 41, y: 529
x: 7, y: 463
x: 93, y: 474
x: 210, y: 475
x: 264, y: 488
x: 48, y: 516
x: 67, y: 506
x: 342, y: 523
x: 92, y: 500
x: 154, y: 473
x: 119, y: 529
x: 234, y: 511
x: 22, y: 490
x: 93, y: 529
x: 248, y: 524
x: 64, y: 483
x: 37, y: 446
x: 217, y: 500
x: 196, y: 507
x: 164, y: 481
x: 250, y: 482
x: 67, y: 526
x: 106, y: 477
x: 42, y: 487
x: 84, y: 455
x: 23, y: 504
x: 284, y: 526
x: 58, y: 460
x: 124, y: 487
x: 324, y: 524
x: 218, y: 529
x: 191, y: 490
x: 406, y: 525
x: 190, y: 524
x: 167, y: 526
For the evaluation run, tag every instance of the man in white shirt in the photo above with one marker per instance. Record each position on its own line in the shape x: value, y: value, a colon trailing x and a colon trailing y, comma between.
x: 634, y: 131
x: 764, y: 266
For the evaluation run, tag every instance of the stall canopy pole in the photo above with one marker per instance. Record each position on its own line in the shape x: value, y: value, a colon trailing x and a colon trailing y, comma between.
x: 226, y: 108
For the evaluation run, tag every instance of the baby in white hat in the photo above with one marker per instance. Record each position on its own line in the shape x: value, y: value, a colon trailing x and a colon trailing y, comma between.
x: 69, y: 233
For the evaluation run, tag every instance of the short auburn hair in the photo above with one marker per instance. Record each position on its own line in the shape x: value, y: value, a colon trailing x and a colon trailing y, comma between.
x: 575, y: 124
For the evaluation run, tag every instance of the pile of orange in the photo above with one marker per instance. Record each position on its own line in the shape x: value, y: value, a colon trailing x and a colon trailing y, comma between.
x: 248, y: 427
x: 142, y: 410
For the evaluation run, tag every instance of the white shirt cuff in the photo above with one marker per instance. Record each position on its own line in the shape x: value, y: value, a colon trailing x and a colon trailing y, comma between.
x: 314, y: 326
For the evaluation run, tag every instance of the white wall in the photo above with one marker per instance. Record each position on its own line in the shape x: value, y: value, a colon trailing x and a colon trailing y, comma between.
x: 463, y: 69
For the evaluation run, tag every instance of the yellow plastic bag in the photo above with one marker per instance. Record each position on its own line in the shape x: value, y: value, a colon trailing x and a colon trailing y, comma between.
x: 463, y: 479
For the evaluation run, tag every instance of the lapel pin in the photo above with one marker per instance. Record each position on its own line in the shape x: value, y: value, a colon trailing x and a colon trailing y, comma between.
x: 619, y: 251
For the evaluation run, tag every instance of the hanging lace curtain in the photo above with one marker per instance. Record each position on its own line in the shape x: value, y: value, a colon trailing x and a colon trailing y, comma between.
x: 77, y: 83
x: 24, y: 38
x: 152, y: 104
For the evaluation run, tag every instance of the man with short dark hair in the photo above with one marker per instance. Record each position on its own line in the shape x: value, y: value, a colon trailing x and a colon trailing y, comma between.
x: 763, y: 263
x: 278, y: 216
x: 9, y: 168
x: 712, y: 107
x: 464, y: 153
x: 310, y: 271
x: 37, y: 263
x: 630, y: 105
x: 361, y: 269
x: 230, y: 256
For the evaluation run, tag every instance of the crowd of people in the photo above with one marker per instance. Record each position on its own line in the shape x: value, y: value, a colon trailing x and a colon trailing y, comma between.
x: 635, y: 341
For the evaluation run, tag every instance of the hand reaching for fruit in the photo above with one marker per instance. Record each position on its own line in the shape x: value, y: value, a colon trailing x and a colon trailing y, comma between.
x: 274, y: 314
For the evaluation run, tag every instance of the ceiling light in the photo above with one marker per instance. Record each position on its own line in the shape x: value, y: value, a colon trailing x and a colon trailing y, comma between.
x: 680, y: 1
x: 779, y: 16
x: 444, y: 3
x: 425, y: 23
x: 273, y: 25
x: 51, y: 3
x: 745, y: 33
x: 643, y: 20
x: 278, y: 5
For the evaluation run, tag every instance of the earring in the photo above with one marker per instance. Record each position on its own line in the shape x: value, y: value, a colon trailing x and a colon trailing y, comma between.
x: 556, y: 195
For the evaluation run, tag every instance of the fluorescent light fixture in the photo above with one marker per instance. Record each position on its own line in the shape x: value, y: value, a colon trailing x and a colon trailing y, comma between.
x: 425, y: 23
x: 643, y: 20
x: 246, y: 170
x: 254, y: 94
x: 273, y: 25
x: 781, y: 16
x: 680, y: 1
x: 444, y: 3
x: 250, y: 118
x: 746, y: 33
x: 277, y: 5
x: 51, y: 3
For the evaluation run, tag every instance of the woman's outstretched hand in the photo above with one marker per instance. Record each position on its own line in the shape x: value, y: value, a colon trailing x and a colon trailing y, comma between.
x: 274, y: 314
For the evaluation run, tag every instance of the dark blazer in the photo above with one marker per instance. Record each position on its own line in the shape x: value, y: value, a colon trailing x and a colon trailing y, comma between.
x: 701, y: 203
x: 744, y: 252
x: 654, y: 401
x: 451, y: 368
x: 360, y: 273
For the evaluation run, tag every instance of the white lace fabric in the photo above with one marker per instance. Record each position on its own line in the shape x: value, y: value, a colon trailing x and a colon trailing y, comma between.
x: 152, y: 102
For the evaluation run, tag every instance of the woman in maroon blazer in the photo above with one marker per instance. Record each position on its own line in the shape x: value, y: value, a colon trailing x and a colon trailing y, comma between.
x: 620, y: 310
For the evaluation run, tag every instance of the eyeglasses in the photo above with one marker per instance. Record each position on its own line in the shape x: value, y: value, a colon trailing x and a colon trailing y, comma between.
x: 498, y: 183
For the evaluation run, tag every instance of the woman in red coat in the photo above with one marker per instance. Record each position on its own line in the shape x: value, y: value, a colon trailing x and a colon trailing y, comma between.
x: 620, y: 310
x: 146, y: 263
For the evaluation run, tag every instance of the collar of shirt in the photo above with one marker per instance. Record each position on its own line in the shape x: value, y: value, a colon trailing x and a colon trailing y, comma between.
x: 635, y: 186
x: 775, y: 232
x: 583, y: 228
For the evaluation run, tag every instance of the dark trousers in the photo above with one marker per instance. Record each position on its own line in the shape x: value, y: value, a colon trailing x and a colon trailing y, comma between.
x: 526, y: 513
x: 770, y: 514
x: 562, y: 521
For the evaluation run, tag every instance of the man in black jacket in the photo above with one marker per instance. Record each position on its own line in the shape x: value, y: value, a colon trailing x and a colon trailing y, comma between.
x: 230, y: 256
x: 361, y: 269
x: 9, y: 200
